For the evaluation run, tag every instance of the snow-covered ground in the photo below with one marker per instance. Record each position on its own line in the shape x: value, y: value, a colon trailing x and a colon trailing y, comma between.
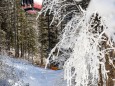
x: 28, y: 74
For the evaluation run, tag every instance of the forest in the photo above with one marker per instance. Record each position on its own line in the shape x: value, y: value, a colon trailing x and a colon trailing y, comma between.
x: 57, y: 43
x: 22, y: 36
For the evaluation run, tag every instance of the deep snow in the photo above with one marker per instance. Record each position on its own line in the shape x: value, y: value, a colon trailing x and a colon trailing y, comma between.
x: 32, y: 75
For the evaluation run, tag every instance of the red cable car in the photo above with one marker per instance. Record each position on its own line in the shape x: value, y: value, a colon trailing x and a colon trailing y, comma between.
x: 31, y: 6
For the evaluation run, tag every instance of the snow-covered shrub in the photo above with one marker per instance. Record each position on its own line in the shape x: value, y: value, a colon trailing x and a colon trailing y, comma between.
x: 90, y: 37
x: 9, y: 76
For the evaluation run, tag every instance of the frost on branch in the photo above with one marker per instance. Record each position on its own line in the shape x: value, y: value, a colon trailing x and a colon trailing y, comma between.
x: 59, y: 8
x: 87, y: 43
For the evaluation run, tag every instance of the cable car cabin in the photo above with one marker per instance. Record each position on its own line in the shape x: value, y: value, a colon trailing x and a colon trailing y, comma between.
x: 31, y: 6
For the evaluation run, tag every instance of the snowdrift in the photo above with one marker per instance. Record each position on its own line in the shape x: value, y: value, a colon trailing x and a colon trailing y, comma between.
x: 15, y: 72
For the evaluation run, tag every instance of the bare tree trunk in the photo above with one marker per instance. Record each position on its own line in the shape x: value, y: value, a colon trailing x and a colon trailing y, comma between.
x: 16, y: 31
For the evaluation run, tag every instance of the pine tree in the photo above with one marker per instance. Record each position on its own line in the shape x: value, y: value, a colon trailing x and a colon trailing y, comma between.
x: 48, y: 35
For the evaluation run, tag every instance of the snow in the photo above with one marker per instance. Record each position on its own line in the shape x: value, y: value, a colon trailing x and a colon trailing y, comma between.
x: 32, y: 75
x: 106, y: 9
x: 81, y: 68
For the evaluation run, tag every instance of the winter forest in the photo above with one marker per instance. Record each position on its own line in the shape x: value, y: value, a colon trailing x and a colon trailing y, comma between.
x: 57, y: 42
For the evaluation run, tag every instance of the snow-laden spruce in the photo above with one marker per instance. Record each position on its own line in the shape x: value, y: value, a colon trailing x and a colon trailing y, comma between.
x: 84, y: 36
